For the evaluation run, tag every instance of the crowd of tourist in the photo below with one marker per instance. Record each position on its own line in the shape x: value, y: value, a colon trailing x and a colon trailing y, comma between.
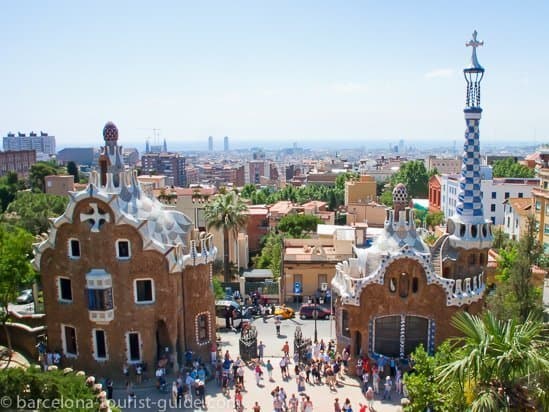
x: 321, y: 365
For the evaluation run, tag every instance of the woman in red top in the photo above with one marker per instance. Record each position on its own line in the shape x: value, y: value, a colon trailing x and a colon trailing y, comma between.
x: 238, y: 400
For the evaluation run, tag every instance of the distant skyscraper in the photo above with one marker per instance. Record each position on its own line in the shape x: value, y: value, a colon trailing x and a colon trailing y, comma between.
x: 42, y: 144
x: 165, y: 146
x: 226, y: 143
x: 147, y: 147
x: 210, y: 143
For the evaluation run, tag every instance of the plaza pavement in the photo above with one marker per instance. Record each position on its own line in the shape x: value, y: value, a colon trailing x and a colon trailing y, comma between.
x: 149, y: 398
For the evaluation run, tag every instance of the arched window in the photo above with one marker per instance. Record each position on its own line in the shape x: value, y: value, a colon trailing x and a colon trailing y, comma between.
x: 392, y: 285
x: 202, y: 326
x: 415, y: 284
x: 404, y: 285
x: 358, y: 343
x: 345, y: 323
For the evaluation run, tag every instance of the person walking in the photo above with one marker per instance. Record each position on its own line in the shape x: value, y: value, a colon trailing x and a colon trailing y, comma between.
x: 258, y: 374
x: 375, y: 380
x: 269, y: 368
x: 256, y: 407
x: 370, y: 398
x: 277, y: 325
x: 286, y: 349
x: 387, y: 388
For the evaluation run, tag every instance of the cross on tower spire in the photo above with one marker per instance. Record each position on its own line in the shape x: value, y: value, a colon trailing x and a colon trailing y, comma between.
x: 474, y: 43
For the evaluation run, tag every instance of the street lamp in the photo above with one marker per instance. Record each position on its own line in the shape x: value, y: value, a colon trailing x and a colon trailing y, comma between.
x: 315, y: 316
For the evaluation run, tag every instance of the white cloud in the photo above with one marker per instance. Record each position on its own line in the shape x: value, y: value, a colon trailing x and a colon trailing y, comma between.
x: 439, y: 74
x: 349, y: 87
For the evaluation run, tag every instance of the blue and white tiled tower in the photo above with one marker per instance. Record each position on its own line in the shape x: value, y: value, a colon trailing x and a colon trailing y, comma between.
x: 468, y: 227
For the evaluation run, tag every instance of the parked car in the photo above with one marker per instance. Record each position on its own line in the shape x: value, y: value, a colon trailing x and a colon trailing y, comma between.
x: 307, y: 311
x: 284, y: 312
x: 25, y: 297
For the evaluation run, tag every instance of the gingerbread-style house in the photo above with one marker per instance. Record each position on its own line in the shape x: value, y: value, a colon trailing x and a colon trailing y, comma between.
x: 400, y: 293
x: 125, y: 279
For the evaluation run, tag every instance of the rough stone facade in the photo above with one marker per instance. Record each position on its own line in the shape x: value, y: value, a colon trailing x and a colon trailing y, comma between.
x: 400, y: 293
x: 99, y: 289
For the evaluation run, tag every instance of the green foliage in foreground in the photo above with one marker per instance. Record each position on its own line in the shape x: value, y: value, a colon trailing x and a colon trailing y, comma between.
x: 31, y: 211
x: 502, y: 365
x: 424, y: 391
x: 55, y: 391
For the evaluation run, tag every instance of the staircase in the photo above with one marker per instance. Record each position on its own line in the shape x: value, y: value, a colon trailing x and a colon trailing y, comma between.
x: 436, y: 252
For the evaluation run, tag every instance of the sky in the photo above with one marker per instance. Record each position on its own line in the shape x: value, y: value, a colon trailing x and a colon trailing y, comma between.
x: 269, y: 72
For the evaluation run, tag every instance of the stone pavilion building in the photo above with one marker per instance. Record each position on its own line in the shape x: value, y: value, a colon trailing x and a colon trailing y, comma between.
x: 401, y: 293
x: 125, y: 278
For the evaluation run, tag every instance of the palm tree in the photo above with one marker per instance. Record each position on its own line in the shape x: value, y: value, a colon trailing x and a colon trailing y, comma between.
x: 503, y: 363
x: 226, y: 212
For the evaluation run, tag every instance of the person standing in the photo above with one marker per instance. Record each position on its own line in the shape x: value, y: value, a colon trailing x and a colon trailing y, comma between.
x: 260, y: 350
x: 256, y: 407
x: 293, y: 403
x: 347, y: 406
x: 308, y: 404
x: 174, y: 394
x: 337, y: 408
x: 138, y: 373
x: 110, y: 388
x: 238, y: 405
x: 213, y: 353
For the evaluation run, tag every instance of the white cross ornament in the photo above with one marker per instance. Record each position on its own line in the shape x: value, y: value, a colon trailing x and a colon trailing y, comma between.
x: 95, y: 217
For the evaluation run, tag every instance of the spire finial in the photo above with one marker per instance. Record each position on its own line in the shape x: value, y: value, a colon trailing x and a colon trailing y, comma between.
x: 474, y: 43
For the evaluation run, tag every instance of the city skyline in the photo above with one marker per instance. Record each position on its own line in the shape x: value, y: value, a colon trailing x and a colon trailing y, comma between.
x: 310, y: 73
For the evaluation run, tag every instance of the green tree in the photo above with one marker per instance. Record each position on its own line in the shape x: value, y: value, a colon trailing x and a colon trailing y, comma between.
x: 344, y: 177
x: 297, y: 226
x: 515, y: 296
x: 72, y: 169
x: 509, y: 168
x: 31, y: 211
x: 37, y: 174
x: 424, y: 391
x: 434, y: 219
x: 247, y: 191
x: 271, y: 254
x: 9, y: 185
x: 226, y: 213
x: 68, y: 390
x: 502, y: 365
x: 501, y: 239
x: 15, y: 270
x: 386, y: 197
x: 415, y: 177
